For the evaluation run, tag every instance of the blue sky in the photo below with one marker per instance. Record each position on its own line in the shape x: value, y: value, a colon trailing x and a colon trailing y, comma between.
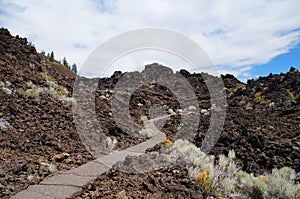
x: 246, y: 38
x: 279, y: 64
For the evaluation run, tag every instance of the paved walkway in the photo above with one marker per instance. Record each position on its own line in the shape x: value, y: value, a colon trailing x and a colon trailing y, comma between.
x: 67, y: 183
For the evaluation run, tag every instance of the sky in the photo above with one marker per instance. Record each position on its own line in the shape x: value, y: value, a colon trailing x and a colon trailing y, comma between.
x: 249, y: 38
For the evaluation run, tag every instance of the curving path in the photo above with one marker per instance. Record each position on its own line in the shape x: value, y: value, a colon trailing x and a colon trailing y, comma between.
x: 67, y: 183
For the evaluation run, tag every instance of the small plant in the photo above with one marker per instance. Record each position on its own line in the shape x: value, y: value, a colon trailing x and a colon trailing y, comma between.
x: 272, y: 104
x: 244, y: 100
x: 140, y: 104
x: 20, y: 91
x: 257, y: 94
x: 281, y: 184
x: 292, y: 96
x: 32, y: 93
x: 213, y: 107
x: 44, y: 75
x: 52, y: 84
x: 196, y: 160
x: 202, y: 180
x: 192, y: 108
x: 249, y: 185
x: 67, y: 99
x: 204, y: 112
x: 171, y: 111
x: 167, y: 142
x: 221, y: 176
x: 151, y: 86
x: 7, y: 83
x: 29, y: 84
x: 144, y: 119
x: 111, y: 143
x: 11, y: 56
x: 262, y: 100
x: 180, y: 111
x: 278, y: 184
x: 4, y: 86
x: 239, y: 86
x: 146, y: 132
x: 52, y: 168
x: 249, y: 106
x: 104, y: 97
x: 61, y: 91
x: 6, y: 90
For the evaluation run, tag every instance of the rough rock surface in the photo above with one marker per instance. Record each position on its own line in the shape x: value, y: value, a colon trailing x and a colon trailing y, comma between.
x: 264, y: 135
x: 262, y: 126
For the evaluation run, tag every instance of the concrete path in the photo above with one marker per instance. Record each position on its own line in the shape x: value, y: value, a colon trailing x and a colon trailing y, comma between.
x: 67, y: 183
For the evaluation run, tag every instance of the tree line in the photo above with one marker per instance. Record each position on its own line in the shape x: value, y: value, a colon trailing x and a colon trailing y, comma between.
x: 64, y: 62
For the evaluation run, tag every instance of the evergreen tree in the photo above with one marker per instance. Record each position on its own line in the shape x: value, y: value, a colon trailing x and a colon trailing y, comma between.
x: 65, y: 63
x: 51, y: 56
x: 74, y: 68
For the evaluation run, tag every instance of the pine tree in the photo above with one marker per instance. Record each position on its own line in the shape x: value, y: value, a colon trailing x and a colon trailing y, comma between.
x: 65, y: 63
x: 51, y: 56
x: 74, y: 68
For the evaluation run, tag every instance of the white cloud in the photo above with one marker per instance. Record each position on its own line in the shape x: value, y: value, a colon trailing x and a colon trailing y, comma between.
x: 235, y: 34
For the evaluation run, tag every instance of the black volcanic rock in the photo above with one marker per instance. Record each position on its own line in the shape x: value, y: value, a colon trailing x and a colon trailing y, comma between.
x: 262, y: 124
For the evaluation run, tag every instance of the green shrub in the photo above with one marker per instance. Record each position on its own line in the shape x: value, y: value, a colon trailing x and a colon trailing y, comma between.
x: 262, y: 100
x: 250, y: 185
x: 11, y: 56
x: 238, y: 87
x: 293, y: 96
x: 281, y: 184
x: 111, y: 143
x: 144, y: 118
x: 171, y: 111
x: 7, y: 83
x: 53, y: 89
x: 225, y: 178
x: 192, y: 108
x: 4, y: 86
x: 223, y: 174
x: 32, y: 93
x: 146, y: 132
x: 196, y: 160
x: 6, y: 90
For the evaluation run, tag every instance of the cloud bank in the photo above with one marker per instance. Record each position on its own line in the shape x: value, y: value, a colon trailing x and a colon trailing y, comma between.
x: 235, y: 34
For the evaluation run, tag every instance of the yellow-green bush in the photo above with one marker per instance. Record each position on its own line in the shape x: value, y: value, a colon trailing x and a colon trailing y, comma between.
x: 294, y: 96
x: 262, y: 100
x: 11, y: 56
